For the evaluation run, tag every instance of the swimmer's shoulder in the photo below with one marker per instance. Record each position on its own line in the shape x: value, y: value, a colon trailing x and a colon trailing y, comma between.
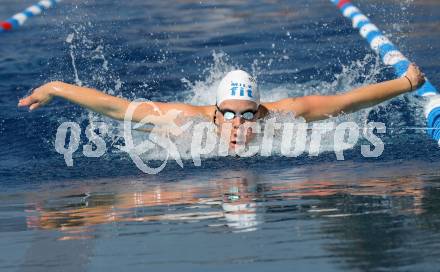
x: 207, y: 111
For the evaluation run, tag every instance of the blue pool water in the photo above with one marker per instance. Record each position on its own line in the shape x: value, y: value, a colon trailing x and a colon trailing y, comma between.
x: 253, y: 214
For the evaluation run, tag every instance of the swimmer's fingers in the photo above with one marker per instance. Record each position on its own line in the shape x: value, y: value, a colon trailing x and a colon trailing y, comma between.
x: 34, y: 106
x: 38, y: 98
x: 27, y: 101
x: 30, y: 102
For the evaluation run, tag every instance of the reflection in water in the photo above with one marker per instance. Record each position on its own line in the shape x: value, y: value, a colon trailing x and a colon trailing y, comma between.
x: 361, y: 224
x: 231, y: 201
x: 238, y: 202
x: 365, y: 218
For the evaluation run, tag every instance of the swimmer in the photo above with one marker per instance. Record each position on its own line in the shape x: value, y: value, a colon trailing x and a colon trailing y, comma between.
x: 237, y: 101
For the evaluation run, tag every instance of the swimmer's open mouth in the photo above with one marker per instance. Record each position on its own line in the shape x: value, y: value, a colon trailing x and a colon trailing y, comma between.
x: 235, y: 142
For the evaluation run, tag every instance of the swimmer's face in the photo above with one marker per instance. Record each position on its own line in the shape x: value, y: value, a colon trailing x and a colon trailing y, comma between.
x: 240, y: 114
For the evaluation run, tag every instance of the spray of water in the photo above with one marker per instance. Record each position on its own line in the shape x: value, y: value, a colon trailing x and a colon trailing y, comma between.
x: 202, y: 92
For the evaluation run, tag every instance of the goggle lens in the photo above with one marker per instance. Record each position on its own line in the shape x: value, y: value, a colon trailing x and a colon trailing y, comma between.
x: 248, y: 115
x: 229, y: 115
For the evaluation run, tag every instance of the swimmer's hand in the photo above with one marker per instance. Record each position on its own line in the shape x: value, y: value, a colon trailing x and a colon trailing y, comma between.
x: 39, y: 97
x: 416, y: 77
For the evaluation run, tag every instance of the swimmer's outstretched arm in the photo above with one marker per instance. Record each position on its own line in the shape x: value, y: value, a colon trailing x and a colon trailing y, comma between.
x: 111, y: 106
x: 318, y: 107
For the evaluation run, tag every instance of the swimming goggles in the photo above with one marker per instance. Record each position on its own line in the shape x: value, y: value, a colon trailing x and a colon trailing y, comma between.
x: 229, y: 115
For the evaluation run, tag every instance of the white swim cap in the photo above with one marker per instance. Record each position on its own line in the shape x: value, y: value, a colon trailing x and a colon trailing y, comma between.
x: 238, y: 85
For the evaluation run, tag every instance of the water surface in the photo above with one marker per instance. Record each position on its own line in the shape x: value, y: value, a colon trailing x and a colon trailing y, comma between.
x: 252, y: 214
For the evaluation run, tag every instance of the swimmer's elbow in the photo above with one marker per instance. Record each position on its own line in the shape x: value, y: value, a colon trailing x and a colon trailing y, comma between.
x: 117, y: 110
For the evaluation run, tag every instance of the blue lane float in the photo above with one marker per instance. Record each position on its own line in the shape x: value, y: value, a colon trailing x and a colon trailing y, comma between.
x: 391, y: 56
x: 20, y: 18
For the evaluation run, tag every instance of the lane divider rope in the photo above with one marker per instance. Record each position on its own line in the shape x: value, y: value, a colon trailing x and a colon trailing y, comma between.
x: 391, y: 56
x: 18, y: 19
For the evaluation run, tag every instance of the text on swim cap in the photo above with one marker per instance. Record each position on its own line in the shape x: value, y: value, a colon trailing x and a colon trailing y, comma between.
x: 235, y: 86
